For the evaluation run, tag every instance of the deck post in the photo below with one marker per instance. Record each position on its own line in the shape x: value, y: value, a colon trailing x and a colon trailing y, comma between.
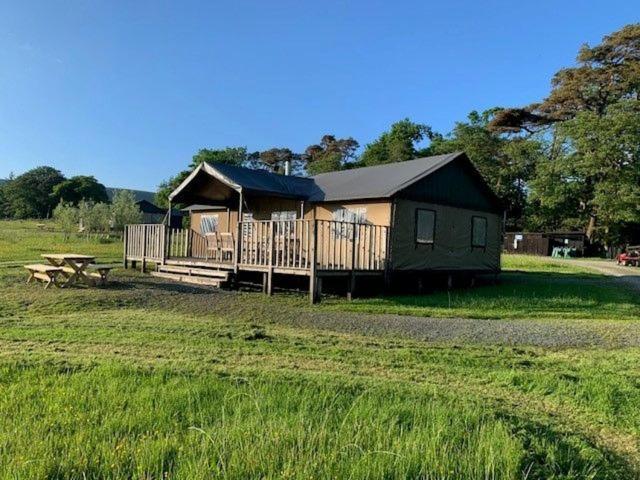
x: 125, y: 260
x: 144, y: 249
x: 352, y: 275
x: 315, y: 283
x: 239, y: 239
x: 269, y: 279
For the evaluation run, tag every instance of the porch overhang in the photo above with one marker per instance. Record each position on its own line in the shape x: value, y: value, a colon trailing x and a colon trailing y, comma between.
x: 205, y: 185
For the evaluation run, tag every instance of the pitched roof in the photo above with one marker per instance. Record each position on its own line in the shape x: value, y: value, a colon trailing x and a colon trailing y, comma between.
x: 380, y: 181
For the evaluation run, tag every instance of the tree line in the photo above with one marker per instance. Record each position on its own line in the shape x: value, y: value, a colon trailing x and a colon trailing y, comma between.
x: 76, y: 203
x: 570, y: 161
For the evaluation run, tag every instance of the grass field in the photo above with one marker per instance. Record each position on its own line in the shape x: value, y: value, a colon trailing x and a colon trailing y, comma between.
x: 152, y: 380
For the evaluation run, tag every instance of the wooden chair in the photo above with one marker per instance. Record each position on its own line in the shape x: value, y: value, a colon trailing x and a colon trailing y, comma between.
x: 213, y: 245
x: 227, y: 246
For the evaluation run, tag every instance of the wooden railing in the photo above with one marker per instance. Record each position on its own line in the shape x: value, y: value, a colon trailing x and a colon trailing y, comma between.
x: 296, y: 245
x: 276, y: 243
x: 144, y: 242
x: 351, y: 246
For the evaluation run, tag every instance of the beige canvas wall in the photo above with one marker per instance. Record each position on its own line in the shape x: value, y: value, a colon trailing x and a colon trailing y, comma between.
x: 452, y: 249
x: 227, y: 222
x: 378, y: 212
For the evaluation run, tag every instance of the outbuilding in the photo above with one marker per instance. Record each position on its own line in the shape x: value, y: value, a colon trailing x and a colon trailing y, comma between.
x: 433, y: 214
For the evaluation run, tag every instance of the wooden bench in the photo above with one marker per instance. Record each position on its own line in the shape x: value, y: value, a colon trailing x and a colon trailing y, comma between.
x: 100, y: 272
x: 45, y: 273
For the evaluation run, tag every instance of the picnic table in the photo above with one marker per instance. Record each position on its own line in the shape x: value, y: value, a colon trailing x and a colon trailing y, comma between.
x: 74, y: 267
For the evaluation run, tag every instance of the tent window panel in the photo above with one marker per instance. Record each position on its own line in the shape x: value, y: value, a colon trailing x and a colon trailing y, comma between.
x: 287, y: 215
x: 208, y: 224
x: 284, y: 215
x: 479, y: 232
x: 350, y: 215
x: 425, y: 226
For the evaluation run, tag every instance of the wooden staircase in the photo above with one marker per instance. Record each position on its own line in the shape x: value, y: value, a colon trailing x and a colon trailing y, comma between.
x: 194, y: 275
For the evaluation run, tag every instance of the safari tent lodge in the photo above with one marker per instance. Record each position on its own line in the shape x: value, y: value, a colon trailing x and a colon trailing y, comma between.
x: 433, y: 215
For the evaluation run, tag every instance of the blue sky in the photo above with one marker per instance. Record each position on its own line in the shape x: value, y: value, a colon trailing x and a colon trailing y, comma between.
x: 129, y: 91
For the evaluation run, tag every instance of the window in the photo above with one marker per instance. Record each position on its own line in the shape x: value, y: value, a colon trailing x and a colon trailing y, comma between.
x: 478, y: 232
x: 425, y: 226
x: 354, y: 215
x: 208, y: 224
x: 283, y: 216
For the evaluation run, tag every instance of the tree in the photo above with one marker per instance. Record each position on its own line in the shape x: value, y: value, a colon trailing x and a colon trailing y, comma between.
x: 275, y: 159
x: 124, y: 210
x: 330, y: 154
x: 229, y: 155
x: 605, y: 74
x: 95, y: 217
x: 505, y: 161
x: 80, y: 188
x: 29, y: 195
x: 165, y: 188
x: 66, y: 217
x: 396, y: 145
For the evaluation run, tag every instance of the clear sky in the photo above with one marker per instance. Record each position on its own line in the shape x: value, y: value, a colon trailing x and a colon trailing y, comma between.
x: 128, y: 91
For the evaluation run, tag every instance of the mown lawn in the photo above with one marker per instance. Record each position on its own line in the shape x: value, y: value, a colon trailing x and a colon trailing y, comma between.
x: 146, y: 379
x: 529, y: 287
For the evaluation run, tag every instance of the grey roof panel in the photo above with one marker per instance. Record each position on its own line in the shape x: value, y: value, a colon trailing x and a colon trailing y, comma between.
x: 380, y: 181
x: 267, y: 182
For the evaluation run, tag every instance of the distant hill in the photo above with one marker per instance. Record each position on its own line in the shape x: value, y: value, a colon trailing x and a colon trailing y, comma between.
x: 139, y: 194
x: 3, y: 180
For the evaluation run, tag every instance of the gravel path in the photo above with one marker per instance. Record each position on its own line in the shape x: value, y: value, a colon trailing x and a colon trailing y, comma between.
x: 628, y: 275
x: 557, y: 333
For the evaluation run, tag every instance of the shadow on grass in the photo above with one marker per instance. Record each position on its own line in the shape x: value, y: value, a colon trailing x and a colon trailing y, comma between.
x: 516, y: 295
x: 554, y: 454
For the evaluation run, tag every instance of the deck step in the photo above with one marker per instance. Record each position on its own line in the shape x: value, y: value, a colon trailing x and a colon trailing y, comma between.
x: 201, y: 272
x: 214, y: 282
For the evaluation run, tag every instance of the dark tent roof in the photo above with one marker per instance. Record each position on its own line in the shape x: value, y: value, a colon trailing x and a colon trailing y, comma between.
x: 148, y: 207
x: 381, y: 181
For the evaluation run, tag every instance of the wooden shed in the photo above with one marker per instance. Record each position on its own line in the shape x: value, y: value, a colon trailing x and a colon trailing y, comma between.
x: 432, y: 214
x: 543, y: 243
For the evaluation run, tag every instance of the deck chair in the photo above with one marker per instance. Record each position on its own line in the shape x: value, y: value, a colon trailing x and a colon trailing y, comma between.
x: 213, y: 250
x: 227, y: 246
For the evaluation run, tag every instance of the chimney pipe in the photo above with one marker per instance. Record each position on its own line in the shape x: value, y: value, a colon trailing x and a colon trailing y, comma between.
x: 287, y: 167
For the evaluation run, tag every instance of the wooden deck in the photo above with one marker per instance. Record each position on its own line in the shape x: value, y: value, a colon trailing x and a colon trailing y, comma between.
x: 313, y: 248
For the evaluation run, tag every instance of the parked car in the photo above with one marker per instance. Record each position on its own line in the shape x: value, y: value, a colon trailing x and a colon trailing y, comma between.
x: 631, y: 258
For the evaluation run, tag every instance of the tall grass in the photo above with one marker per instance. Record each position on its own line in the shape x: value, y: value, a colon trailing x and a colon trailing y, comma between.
x: 113, y: 422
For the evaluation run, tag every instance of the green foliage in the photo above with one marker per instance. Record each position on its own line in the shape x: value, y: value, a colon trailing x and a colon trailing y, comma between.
x: 66, y: 218
x: 396, y: 145
x: 330, y: 154
x: 124, y: 210
x: 80, y: 188
x: 229, y: 155
x: 506, y: 162
x: 29, y: 195
x: 276, y: 158
x: 96, y: 217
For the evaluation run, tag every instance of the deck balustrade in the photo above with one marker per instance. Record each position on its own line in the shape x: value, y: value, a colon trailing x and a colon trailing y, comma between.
x: 288, y: 246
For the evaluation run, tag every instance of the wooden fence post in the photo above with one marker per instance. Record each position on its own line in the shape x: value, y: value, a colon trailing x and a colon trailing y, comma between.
x: 315, y: 284
x: 272, y: 233
x: 125, y: 260
x: 352, y: 275
x: 144, y: 249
